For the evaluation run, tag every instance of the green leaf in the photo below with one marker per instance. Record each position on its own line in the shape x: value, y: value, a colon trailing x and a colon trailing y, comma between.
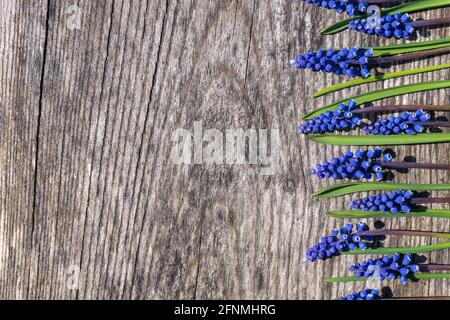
x: 409, y: 7
x: 381, y: 140
x: 382, y: 94
x: 416, y: 6
x: 354, y: 187
x: 338, y: 26
x: 410, y: 47
x: 426, y: 43
x: 405, y: 250
x: 382, y: 77
x: 417, y: 276
x: 353, y: 214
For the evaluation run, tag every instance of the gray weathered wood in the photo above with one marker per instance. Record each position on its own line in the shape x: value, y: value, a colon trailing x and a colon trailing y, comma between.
x: 87, y: 180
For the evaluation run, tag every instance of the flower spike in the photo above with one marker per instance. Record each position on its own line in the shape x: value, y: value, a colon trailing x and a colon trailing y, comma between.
x: 347, y: 117
x: 397, y: 25
x: 338, y: 120
x: 340, y: 240
x: 374, y: 294
x: 351, y: 7
x: 351, y: 62
x: 406, y: 123
x: 389, y: 26
x: 358, y: 165
x: 366, y: 294
x: 394, y: 202
x: 358, y: 62
x: 391, y: 267
x: 366, y: 165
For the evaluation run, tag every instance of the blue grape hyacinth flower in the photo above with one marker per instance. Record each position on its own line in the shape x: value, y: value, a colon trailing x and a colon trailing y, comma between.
x: 396, y: 266
x: 352, y: 7
x: 407, y: 123
x: 393, y: 202
x: 366, y: 294
x: 341, y: 119
x: 396, y: 25
x: 340, y: 240
x: 351, y: 62
x: 355, y: 166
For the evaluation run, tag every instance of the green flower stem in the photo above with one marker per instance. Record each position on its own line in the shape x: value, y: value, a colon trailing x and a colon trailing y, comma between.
x: 354, y: 187
x: 351, y: 214
x: 379, y: 77
x: 419, y: 276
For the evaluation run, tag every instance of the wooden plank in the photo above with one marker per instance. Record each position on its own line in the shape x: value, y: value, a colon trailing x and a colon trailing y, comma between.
x: 97, y: 87
x: 88, y: 180
x: 22, y: 38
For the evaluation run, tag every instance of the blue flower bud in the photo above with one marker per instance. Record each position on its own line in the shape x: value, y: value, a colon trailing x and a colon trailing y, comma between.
x: 403, y: 279
x: 395, y: 257
x: 379, y: 176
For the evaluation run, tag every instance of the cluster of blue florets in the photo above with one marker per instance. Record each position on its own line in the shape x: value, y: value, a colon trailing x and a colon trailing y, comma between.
x: 340, y: 240
x: 407, y: 123
x: 393, y: 202
x: 352, y: 62
x: 340, y: 119
x: 388, y: 267
x: 366, y: 294
x: 352, y: 7
x: 358, y: 165
x: 392, y: 25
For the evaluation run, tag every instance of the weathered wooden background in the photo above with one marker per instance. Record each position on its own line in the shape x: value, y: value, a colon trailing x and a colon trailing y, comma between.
x: 86, y: 177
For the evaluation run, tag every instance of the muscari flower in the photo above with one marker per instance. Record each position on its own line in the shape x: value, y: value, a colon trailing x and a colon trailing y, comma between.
x: 407, y: 123
x: 394, y: 202
x: 374, y: 294
x: 340, y: 119
x: 351, y: 62
x: 352, y: 7
x: 340, y: 240
x: 395, y: 25
x: 347, y: 117
x: 366, y: 294
x: 358, y: 165
x: 388, y: 267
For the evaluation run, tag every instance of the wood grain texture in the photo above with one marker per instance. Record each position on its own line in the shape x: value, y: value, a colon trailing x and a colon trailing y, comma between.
x: 87, y: 179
